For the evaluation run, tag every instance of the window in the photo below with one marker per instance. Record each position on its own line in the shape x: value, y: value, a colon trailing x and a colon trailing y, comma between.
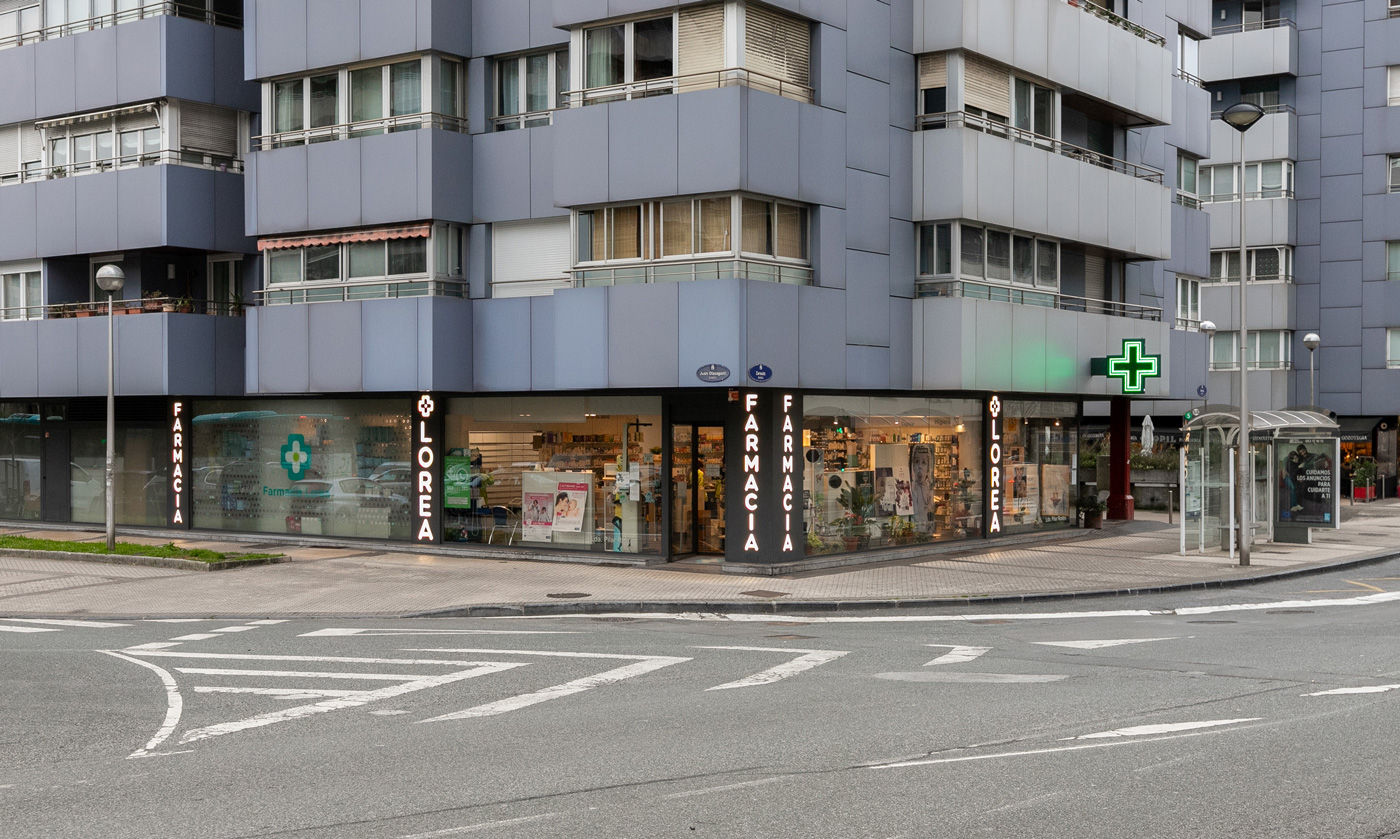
x: 20, y: 26
x: 21, y: 292
x: 357, y: 259
x: 992, y: 254
x: 528, y: 87
x: 1270, y: 349
x: 1222, y: 351
x: 936, y: 249
x: 1188, y: 58
x: 1392, y: 348
x: 1262, y: 92
x: 364, y: 101
x: 1034, y: 108
x: 1258, y: 12
x: 1217, y: 183
x: 26, y: 23
x: 1188, y: 302
x: 138, y: 145
x: 692, y: 227
x: 625, y: 53
x: 1263, y: 179
x: 1186, y: 181
x: 1392, y: 260
x: 1393, y: 168
x: 1270, y: 264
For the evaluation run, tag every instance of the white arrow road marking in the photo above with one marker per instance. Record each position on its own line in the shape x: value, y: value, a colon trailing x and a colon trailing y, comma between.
x: 338, y: 633
x: 57, y: 622
x: 155, y: 645
x: 173, y: 707
x: 956, y: 654
x: 1166, y: 728
x: 643, y: 664
x: 809, y: 659
x: 1366, y: 689
x: 4, y: 628
x: 198, y: 636
x: 1098, y: 645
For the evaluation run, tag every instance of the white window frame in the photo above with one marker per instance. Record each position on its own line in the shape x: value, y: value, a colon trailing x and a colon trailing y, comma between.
x: 1012, y: 236
x: 431, y: 270
x: 1232, y: 340
x: 235, y: 292
x: 1188, y: 57
x: 1393, y: 173
x: 95, y: 294
x: 1188, y: 302
x: 1225, y: 256
x: 1036, y: 89
x: 1392, y: 354
x: 525, y: 118
x: 25, y: 308
x: 1188, y: 197
x: 650, y: 219
x: 578, y: 59
x: 1392, y: 258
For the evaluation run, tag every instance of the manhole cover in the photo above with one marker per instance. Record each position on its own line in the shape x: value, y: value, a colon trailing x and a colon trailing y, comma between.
x: 758, y: 592
x: 614, y: 620
x: 1212, y: 621
x: 792, y: 637
x: 568, y: 595
x: 1289, y: 612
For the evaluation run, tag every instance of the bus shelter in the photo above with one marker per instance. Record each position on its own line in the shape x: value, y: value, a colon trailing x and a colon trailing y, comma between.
x: 1293, y: 477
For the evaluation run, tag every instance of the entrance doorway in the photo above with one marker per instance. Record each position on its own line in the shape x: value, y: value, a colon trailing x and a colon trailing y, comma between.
x: 697, y: 489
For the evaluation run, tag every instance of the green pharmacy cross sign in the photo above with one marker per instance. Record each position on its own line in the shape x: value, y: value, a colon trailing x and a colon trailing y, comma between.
x: 1132, y: 367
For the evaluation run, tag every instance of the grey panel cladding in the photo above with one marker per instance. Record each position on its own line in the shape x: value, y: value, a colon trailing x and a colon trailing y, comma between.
x: 145, y: 59
x: 291, y: 36
x: 505, y: 26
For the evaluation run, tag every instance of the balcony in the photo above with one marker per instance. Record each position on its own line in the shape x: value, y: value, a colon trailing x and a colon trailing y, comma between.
x: 1242, y: 51
x: 1273, y: 137
x: 158, y: 353
x: 170, y: 157
x: 364, y: 128
x: 1046, y: 298
x: 963, y: 119
x: 189, y: 10
x: 729, y: 77
x: 1119, y: 21
x: 342, y: 292
x: 674, y: 272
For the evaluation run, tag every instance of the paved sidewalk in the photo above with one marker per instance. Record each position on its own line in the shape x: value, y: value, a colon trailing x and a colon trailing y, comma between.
x: 1130, y: 557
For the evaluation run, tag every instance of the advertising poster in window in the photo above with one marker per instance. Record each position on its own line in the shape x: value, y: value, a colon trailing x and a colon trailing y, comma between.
x: 1054, y: 485
x: 570, y: 503
x: 457, y: 482
x: 536, y: 516
x: 1307, y: 481
x: 1024, y: 505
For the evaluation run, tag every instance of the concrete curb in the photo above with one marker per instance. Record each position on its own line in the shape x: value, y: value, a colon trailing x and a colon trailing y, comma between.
x: 144, y: 561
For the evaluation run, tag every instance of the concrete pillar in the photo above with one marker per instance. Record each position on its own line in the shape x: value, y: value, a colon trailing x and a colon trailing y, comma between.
x: 1120, y: 426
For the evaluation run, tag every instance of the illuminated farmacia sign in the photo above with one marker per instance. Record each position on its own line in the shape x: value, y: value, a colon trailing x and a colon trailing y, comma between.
x: 177, y: 461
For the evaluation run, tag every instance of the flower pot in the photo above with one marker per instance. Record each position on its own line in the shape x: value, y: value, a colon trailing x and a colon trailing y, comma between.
x: 1363, y: 493
x: 852, y: 542
x: 1093, y: 519
x: 83, y: 313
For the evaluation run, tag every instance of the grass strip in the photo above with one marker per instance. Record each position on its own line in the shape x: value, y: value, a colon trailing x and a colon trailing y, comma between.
x: 167, y: 551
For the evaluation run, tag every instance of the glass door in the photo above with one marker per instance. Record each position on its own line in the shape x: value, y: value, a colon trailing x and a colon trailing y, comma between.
x: 697, y: 489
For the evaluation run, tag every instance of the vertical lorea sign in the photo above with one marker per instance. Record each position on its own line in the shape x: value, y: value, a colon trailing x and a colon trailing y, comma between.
x: 995, y: 503
x: 176, y: 496
x: 426, y: 433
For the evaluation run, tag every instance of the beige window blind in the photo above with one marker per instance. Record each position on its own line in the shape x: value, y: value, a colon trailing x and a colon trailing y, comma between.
x: 626, y: 232
x: 209, y: 128
x: 676, y: 228
x: 986, y: 85
x: 141, y: 119
x: 715, y: 220
x: 933, y: 70
x: 792, y: 232
x: 777, y: 45
x: 700, y: 37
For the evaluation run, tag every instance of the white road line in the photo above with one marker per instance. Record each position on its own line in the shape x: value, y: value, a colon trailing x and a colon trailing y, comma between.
x: 1098, y: 645
x: 321, y: 658
x: 1366, y: 689
x: 198, y: 636
x: 534, y: 652
x: 174, y: 620
x: 298, y: 674
x: 173, y: 704
x: 343, y: 702
x: 289, y: 693
x: 957, y: 654
x: 1165, y: 728
x: 57, y: 622
x: 233, y: 629
x: 726, y: 787
x: 154, y: 645
x: 339, y: 633
x: 627, y: 671
x: 28, y: 629
x: 810, y: 659
x: 472, y: 828
x: 265, y: 622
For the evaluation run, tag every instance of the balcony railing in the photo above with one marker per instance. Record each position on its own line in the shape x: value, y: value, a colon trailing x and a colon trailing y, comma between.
x: 530, y: 119
x: 1188, y: 324
x: 1119, y: 21
x: 1253, y: 26
x: 963, y: 119
x: 730, y: 77
x: 183, y: 157
x: 677, y: 272
x: 1216, y: 366
x: 363, y: 128
x: 1254, y: 195
x: 1189, y: 201
x: 137, y: 306
x: 1048, y: 298
x: 190, y: 10
x: 1188, y: 77
x: 1253, y: 278
x: 280, y: 295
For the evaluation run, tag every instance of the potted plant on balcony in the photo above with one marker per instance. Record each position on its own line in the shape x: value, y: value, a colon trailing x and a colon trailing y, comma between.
x: 58, y: 172
x: 150, y: 301
x: 184, y: 304
x: 235, y: 305
x: 85, y: 310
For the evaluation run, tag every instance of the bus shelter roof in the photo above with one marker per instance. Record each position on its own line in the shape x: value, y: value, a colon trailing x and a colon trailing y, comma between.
x: 1291, y: 419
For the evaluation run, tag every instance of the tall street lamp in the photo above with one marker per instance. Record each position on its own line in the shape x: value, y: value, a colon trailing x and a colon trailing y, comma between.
x: 1241, y: 116
x: 1312, y: 341
x: 1207, y: 327
x: 110, y: 279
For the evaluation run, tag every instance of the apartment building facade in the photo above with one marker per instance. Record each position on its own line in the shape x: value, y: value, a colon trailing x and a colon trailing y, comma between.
x: 1322, y: 169
x: 752, y: 281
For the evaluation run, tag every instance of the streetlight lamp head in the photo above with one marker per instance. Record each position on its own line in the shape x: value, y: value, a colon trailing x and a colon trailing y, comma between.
x: 1241, y: 115
x: 1208, y: 327
x: 110, y: 278
x: 1312, y: 341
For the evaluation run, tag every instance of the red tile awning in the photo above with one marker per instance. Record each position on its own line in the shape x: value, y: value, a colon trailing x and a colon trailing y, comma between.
x: 378, y: 234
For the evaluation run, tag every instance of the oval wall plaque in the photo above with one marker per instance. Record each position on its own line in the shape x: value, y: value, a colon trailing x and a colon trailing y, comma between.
x: 712, y: 373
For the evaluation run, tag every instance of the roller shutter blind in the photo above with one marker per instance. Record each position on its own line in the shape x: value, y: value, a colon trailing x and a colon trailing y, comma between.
x: 143, y: 119
x: 529, y: 257
x: 209, y: 128
x: 700, y: 33
x: 1095, y: 286
x: 933, y: 70
x: 9, y: 149
x: 778, y: 45
x: 986, y: 85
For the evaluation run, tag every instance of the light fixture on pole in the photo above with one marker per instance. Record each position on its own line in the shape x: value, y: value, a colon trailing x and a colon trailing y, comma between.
x: 1241, y: 116
x: 110, y: 279
x: 1312, y: 341
x: 1208, y: 327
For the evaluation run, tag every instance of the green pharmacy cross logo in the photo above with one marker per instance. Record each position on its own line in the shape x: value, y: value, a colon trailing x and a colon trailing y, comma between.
x: 296, y: 458
x: 1134, y: 366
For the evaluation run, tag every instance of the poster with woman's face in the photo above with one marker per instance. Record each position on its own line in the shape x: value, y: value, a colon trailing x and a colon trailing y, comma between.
x: 569, y: 504
x: 921, y: 479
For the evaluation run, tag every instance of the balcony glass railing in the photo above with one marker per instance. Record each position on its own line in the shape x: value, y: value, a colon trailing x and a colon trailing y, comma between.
x: 189, y: 9
x: 730, y: 77
x: 363, y: 128
x: 137, y: 306
x: 279, y: 295
x: 1048, y: 298
x: 677, y: 272
x: 182, y: 157
x: 1253, y: 26
x: 963, y: 119
x: 1119, y: 21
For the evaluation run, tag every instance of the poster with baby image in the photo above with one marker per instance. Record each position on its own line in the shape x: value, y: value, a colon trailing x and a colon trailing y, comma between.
x: 570, y: 501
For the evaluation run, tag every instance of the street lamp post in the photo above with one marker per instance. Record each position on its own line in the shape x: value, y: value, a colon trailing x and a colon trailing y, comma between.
x: 1312, y: 341
x: 1240, y: 116
x: 1207, y: 327
x: 110, y: 279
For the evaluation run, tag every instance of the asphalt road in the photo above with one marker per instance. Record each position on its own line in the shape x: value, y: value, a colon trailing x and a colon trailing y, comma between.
x: 1263, y: 711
